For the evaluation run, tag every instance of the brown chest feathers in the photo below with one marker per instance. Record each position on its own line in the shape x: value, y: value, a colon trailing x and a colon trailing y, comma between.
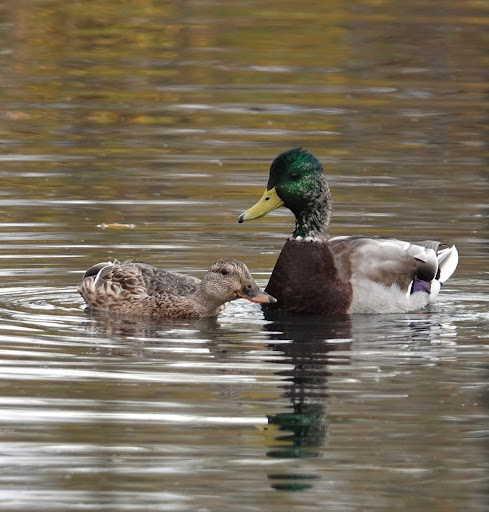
x: 306, y: 279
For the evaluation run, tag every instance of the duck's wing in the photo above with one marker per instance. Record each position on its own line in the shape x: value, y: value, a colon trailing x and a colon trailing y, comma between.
x: 158, y: 281
x: 388, y: 261
x: 447, y: 258
x: 109, y: 284
x: 132, y: 281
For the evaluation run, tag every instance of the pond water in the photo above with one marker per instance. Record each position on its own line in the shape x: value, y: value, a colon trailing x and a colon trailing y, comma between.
x: 164, y: 117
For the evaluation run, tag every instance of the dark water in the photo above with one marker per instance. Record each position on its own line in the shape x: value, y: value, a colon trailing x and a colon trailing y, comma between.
x: 165, y: 116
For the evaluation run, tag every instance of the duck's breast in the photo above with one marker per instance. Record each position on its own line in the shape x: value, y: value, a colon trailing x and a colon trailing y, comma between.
x: 307, y: 278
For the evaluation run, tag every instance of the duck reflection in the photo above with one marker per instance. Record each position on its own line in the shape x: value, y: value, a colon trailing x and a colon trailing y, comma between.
x: 307, y: 347
x: 107, y: 324
x: 301, y: 351
x: 310, y: 345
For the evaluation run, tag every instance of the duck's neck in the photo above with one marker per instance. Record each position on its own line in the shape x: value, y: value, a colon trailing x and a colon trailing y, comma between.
x: 312, y: 220
x: 205, y: 303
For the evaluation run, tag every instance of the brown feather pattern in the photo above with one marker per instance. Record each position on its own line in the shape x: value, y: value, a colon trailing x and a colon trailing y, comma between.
x: 139, y: 289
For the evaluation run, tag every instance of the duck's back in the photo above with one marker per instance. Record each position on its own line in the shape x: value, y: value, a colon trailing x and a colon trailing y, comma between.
x: 157, y: 281
x: 137, y: 288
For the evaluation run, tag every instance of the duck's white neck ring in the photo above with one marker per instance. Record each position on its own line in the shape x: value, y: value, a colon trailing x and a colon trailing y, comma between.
x: 315, y: 238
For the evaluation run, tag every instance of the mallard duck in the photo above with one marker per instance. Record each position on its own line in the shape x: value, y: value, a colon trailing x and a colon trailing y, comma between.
x: 137, y: 288
x: 344, y: 274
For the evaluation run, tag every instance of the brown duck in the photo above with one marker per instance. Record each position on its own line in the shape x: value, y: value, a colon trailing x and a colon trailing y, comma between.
x: 139, y: 289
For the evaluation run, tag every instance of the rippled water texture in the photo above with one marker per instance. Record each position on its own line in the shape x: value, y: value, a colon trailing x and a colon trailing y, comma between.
x: 141, y: 130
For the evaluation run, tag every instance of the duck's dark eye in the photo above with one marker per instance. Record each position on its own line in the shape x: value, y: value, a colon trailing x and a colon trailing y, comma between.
x: 224, y: 272
x: 294, y: 176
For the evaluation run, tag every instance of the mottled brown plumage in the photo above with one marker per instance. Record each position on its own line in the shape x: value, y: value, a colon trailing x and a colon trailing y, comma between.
x: 138, y: 289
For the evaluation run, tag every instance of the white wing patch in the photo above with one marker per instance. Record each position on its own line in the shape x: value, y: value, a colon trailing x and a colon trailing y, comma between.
x: 448, y: 260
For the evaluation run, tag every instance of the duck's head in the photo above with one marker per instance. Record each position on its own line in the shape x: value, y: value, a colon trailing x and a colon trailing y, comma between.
x: 229, y: 279
x: 297, y: 182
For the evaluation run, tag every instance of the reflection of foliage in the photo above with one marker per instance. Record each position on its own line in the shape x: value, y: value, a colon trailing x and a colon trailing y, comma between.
x: 184, y: 101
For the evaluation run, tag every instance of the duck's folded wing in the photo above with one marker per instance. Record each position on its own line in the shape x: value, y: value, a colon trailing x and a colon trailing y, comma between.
x: 159, y: 282
x: 107, y: 285
x: 447, y: 258
x: 388, y: 261
x: 121, y: 280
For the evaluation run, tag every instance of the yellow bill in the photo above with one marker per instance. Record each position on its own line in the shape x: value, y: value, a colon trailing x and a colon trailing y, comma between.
x: 268, y: 202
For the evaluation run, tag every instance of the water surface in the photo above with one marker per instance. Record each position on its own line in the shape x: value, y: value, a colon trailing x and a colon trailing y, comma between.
x: 164, y: 117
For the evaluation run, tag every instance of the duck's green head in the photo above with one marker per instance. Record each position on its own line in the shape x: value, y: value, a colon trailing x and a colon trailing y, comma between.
x: 297, y: 182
